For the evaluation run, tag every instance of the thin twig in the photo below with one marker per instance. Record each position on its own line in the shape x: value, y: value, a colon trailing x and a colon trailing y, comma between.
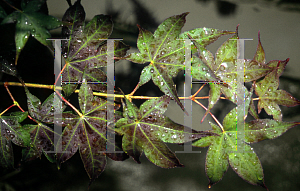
x: 216, y: 120
x: 12, y: 6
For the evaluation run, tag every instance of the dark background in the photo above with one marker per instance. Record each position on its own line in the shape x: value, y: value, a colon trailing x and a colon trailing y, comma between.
x: 280, y: 157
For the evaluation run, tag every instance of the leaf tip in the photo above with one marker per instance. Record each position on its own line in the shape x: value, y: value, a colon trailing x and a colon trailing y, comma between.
x: 236, y: 29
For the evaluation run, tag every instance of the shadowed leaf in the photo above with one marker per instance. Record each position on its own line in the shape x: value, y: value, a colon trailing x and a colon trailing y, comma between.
x: 88, y: 133
x: 30, y: 22
x: 11, y: 130
x: 146, y: 129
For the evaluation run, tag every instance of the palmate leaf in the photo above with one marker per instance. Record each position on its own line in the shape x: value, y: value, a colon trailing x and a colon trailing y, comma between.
x: 270, y: 97
x: 223, y: 151
x: 86, y: 49
x: 165, y: 52
x: 12, y: 131
x: 30, y: 22
x: 88, y: 133
x: 224, y: 68
x: 147, y: 129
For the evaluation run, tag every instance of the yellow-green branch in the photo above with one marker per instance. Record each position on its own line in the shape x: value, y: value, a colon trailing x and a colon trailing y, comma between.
x: 52, y: 87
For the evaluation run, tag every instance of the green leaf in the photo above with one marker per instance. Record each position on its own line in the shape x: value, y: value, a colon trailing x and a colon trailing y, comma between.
x: 30, y: 22
x: 270, y: 97
x: 164, y: 52
x: 225, y: 65
x: 204, y: 36
x: 223, y: 150
x: 201, y: 71
x: 146, y: 129
x: 214, y: 95
x: 216, y: 163
x: 11, y: 130
x: 261, y: 129
x: 224, y: 69
x: 248, y: 166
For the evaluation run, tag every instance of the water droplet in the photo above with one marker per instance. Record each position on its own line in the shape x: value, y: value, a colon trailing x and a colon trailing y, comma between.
x: 12, y: 136
x: 161, y: 83
x: 152, y: 70
x: 209, y: 186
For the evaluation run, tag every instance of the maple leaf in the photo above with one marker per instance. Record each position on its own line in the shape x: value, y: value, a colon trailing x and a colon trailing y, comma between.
x: 165, y: 52
x: 12, y: 131
x: 224, y: 68
x: 223, y: 151
x: 146, y: 129
x: 31, y: 22
x: 86, y: 50
x: 270, y: 97
x: 88, y: 133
